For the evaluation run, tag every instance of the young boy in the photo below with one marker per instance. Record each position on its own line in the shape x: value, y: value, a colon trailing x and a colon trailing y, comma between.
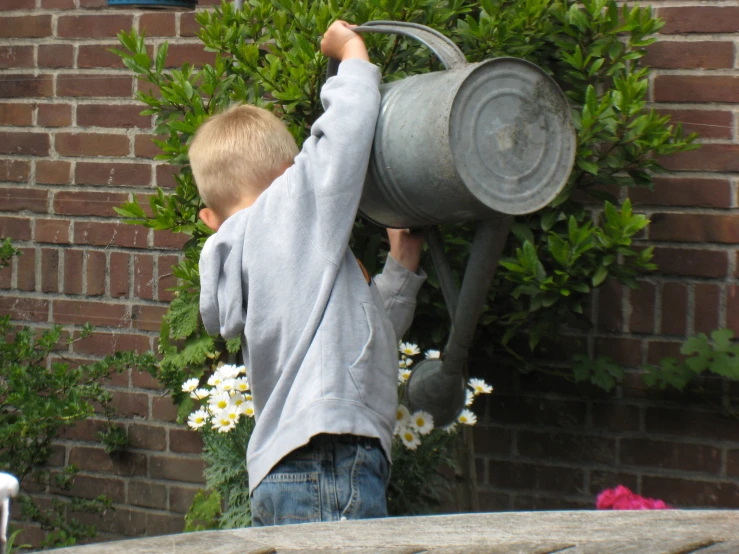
x: 319, y: 337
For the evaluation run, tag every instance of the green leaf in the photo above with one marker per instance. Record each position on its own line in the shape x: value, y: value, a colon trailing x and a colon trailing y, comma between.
x: 599, y: 276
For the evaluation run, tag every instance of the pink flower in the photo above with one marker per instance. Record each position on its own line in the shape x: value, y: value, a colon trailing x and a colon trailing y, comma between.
x: 621, y: 498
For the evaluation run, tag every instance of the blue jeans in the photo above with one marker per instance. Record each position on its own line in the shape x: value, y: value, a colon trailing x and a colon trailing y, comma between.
x: 333, y: 477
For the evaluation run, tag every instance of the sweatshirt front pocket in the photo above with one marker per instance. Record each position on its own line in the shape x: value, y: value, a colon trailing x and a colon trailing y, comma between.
x: 374, y: 372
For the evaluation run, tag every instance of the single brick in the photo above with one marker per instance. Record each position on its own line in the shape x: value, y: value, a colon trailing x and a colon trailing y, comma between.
x: 117, y: 86
x: 176, y: 468
x: 17, y: 5
x: 130, y: 404
x: 148, y: 318
x: 170, y: 240
x: 17, y: 115
x: 25, y: 26
x: 699, y: 19
x: 101, y: 314
x: 625, y: 351
x: 58, y: 4
x: 166, y: 277
x: 610, y: 312
x: 185, y: 441
x: 690, y: 55
x: 144, y: 147
x: 91, y: 144
x: 105, y: 344
x: 73, y: 260
x: 674, y: 308
x: 158, y: 24
x: 14, y: 171
x: 194, y: 54
x: 102, y: 115
x: 707, y: 123
x: 122, y: 521
x: 16, y: 56
x: 164, y: 524
x: 26, y: 269
x: 188, y: 26
x: 567, y: 447
x: 24, y: 143
x: 55, y: 56
x: 180, y: 498
x: 23, y: 85
x: 707, y: 299
x: 25, y: 309
x: 16, y: 227
x: 521, y: 475
x: 54, y: 115
x: 53, y: 172
x: 602, y: 480
x: 90, y: 56
x: 710, y: 157
x: 147, y: 495
x: 124, y: 464
x: 692, y: 493
x: 88, y: 203
x: 696, y: 88
x: 50, y: 269
x: 86, y: 486
x: 13, y: 199
x: 143, y: 276
x: 693, y: 262
x: 685, y: 192
x: 119, y: 274
x: 163, y: 409
x: 92, y: 26
x: 96, y: 264
x: 113, y: 174
x: 55, y: 231
x: 670, y: 455
x: 142, y: 380
x: 642, y: 303
x: 691, y: 423
x: 165, y: 176
x: 149, y: 437
x: 719, y: 228
x: 114, y: 234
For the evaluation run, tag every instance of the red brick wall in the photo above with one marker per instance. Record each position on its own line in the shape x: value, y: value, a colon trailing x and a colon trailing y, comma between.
x: 549, y: 445
x: 72, y: 146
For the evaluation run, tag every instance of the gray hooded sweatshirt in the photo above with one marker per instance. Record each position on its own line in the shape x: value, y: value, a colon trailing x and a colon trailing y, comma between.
x: 319, y: 344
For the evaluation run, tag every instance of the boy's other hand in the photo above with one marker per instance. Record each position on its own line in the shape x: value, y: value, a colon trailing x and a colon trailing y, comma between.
x: 405, y: 247
x: 341, y: 43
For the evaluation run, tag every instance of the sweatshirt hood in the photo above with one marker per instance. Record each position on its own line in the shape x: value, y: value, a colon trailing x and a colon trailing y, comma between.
x: 222, y: 279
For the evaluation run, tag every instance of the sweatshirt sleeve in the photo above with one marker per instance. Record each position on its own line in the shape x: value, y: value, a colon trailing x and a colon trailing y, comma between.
x: 325, y: 183
x: 399, y: 287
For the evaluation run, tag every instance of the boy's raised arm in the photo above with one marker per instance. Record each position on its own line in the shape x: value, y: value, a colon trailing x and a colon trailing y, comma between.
x: 327, y: 178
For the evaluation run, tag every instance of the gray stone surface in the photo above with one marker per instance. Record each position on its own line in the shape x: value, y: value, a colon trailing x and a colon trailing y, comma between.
x: 581, y: 532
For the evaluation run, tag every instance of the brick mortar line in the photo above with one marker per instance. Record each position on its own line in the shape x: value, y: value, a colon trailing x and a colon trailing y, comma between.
x: 644, y: 471
x: 723, y: 72
x: 117, y: 249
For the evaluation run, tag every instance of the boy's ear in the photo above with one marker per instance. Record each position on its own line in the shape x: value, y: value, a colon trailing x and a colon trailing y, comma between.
x: 209, y: 217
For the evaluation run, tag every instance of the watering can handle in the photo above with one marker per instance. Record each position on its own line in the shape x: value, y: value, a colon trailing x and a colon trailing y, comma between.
x: 448, y: 53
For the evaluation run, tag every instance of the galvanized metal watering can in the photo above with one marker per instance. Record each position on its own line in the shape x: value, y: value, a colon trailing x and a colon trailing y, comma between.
x: 477, y: 142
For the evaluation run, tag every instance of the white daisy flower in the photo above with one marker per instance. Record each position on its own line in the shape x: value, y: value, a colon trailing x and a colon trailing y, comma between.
x: 232, y: 413
x: 479, y: 386
x: 197, y: 419
x: 467, y: 417
x: 401, y: 364
x: 470, y: 397
x: 402, y: 415
x: 241, y: 384
x: 247, y: 409
x: 200, y: 394
x: 227, y: 385
x: 403, y: 375
x: 409, y: 349
x: 422, y: 422
x: 451, y: 428
x: 216, y: 379
x: 430, y: 354
x: 408, y: 362
x: 219, y: 401
x: 410, y: 438
x: 190, y: 385
x: 223, y: 423
x: 242, y: 369
x: 229, y: 371
x: 237, y: 399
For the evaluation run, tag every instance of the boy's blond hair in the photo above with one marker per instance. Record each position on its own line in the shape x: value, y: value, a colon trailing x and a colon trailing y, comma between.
x: 242, y: 148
